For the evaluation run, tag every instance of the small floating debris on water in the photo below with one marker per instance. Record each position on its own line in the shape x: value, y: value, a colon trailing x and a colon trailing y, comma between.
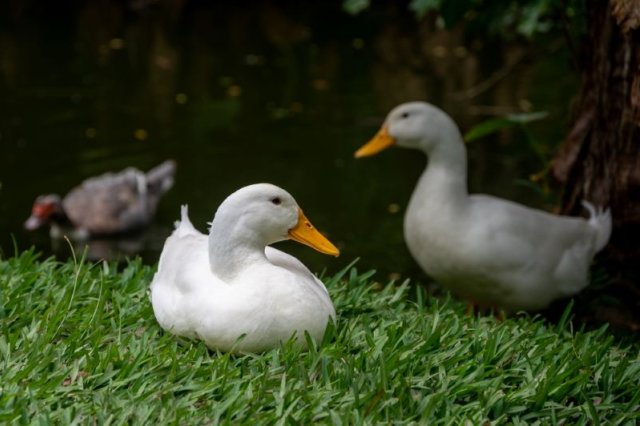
x: 140, y: 134
x: 357, y: 43
x: 234, y: 91
x: 116, y: 43
x: 393, y: 208
x: 181, y: 98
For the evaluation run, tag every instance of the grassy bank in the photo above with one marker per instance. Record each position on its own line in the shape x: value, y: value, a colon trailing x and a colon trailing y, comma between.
x: 79, y: 343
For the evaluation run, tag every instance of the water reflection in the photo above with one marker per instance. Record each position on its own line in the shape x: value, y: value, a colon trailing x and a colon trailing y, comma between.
x: 145, y: 244
x: 267, y: 91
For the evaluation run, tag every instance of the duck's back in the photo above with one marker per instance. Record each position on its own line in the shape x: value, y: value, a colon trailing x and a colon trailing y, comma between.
x: 118, y: 202
x: 109, y: 204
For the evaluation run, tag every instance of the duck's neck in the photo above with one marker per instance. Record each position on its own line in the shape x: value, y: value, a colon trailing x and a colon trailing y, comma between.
x: 232, y: 250
x: 444, y: 181
x: 60, y: 218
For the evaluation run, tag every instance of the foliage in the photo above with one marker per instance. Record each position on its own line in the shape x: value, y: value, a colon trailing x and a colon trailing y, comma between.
x: 521, y: 120
x: 504, y: 17
x: 495, y: 124
x: 79, y: 344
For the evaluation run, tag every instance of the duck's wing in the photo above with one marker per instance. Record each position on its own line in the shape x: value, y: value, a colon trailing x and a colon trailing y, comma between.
x: 177, y: 287
x: 118, y: 202
x: 286, y: 261
x: 185, y: 245
x: 517, y: 238
x: 184, y: 262
x: 109, y: 204
x: 184, y: 290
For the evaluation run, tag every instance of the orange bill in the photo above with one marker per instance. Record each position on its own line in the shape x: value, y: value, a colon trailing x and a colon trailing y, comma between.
x: 381, y: 141
x: 305, y: 233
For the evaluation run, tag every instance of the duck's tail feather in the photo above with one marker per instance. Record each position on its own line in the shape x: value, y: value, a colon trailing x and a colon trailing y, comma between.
x: 160, y: 178
x: 600, y: 219
x: 184, y: 225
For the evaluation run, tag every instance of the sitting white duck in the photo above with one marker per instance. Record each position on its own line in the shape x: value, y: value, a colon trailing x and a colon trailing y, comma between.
x: 231, y: 290
x: 490, y: 251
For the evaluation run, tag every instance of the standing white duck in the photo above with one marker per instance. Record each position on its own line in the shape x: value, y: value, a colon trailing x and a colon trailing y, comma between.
x: 490, y: 251
x: 231, y: 290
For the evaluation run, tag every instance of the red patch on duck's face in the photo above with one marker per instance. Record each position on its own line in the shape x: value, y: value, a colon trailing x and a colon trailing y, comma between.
x: 40, y: 214
x: 42, y: 210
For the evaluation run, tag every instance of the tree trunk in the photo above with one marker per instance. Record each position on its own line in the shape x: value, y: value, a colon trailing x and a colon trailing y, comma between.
x: 600, y: 159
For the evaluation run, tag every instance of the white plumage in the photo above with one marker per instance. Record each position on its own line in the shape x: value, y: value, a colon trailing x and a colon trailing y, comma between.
x: 229, y: 284
x: 486, y: 249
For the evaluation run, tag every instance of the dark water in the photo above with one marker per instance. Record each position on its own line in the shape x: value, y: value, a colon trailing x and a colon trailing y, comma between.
x: 262, y: 92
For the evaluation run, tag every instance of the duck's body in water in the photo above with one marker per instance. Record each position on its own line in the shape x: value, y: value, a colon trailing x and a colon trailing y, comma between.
x: 110, y: 204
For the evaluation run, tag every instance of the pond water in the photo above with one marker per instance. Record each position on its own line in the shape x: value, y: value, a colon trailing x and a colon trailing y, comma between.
x: 256, y: 93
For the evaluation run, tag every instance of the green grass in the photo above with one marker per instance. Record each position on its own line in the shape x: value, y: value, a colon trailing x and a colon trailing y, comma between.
x: 79, y: 344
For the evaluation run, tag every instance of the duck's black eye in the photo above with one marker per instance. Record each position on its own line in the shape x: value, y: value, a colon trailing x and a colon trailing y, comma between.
x: 276, y: 201
x: 405, y: 115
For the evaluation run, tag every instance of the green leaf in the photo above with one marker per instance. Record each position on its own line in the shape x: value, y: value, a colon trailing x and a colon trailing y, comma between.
x: 422, y: 7
x: 534, y: 19
x: 495, y: 124
x: 486, y: 128
x: 353, y: 7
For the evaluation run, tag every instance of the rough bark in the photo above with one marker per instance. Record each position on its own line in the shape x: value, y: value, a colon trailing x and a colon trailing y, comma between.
x: 600, y: 159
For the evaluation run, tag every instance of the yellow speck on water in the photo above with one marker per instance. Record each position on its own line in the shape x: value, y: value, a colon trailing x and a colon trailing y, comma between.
x: 525, y: 105
x: 140, y: 134
x: 297, y: 107
x: 116, y: 43
x: 253, y: 60
x: 357, y: 43
x: 234, y: 91
x: 439, y: 51
x: 393, y: 208
x: 103, y: 50
x: 320, y: 84
x: 460, y: 52
x: 90, y: 133
x: 181, y: 98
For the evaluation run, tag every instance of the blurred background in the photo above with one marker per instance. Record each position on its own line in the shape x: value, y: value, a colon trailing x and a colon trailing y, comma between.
x: 267, y: 91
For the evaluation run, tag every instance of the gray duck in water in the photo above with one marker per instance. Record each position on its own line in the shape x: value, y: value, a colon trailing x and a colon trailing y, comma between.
x: 109, y: 204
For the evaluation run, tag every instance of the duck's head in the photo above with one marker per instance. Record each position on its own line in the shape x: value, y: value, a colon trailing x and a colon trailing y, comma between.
x: 265, y: 214
x: 45, y: 209
x: 416, y: 125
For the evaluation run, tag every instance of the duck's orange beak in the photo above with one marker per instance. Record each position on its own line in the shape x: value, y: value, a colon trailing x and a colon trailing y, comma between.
x: 305, y: 233
x: 381, y: 141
